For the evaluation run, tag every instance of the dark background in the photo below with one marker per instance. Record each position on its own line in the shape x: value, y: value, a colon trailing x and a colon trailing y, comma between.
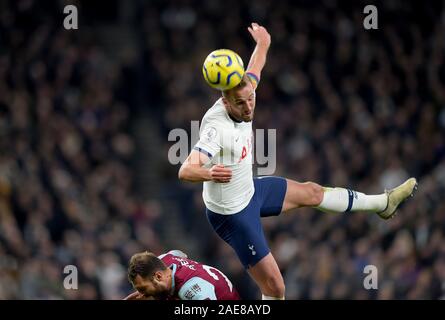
x: 85, y: 115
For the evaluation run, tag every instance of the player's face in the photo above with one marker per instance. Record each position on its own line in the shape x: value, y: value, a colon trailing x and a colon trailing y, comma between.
x: 241, y: 104
x: 156, y: 287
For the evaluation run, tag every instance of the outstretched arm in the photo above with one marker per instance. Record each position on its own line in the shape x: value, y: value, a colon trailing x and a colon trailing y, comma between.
x: 258, y: 58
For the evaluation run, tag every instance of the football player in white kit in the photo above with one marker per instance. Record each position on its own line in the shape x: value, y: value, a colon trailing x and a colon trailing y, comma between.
x: 236, y: 201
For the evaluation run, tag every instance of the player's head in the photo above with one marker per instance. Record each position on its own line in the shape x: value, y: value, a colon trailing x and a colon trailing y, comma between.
x: 240, y: 100
x: 149, y: 275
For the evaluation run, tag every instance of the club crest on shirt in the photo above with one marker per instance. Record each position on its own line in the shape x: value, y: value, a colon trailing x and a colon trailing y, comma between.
x: 209, y: 134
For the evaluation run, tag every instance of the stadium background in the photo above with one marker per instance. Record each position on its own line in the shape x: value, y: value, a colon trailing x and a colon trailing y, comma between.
x: 85, y: 114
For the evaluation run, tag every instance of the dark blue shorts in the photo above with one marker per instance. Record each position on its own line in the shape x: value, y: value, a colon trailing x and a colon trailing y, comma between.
x: 243, y: 230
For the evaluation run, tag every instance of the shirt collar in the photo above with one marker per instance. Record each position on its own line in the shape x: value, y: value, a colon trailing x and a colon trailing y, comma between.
x: 233, y: 119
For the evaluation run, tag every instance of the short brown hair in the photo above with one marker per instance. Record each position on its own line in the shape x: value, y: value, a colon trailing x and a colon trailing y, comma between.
x: 245, y: 80
x: 144, y: 264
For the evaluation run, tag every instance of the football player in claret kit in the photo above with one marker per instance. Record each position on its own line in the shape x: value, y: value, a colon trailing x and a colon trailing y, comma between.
x: 222, y: 159
x: 173, y: 276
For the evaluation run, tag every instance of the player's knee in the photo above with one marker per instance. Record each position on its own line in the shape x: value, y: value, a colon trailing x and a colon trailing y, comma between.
x: 314, y: 194
x: 276, y: 287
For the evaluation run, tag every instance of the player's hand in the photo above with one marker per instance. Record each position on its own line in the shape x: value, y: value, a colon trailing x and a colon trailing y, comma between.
x: 133, y: 296
x: 137, y: 296
x: 220, y: 174
x: 259, y: 34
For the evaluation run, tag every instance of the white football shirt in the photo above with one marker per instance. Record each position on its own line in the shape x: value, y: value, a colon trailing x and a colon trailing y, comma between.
x: 228, y: 143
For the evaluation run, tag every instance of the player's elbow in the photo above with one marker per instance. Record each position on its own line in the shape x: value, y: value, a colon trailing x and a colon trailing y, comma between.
x: 192, y: 172
x: 182, y: 173
x: 185, y: 172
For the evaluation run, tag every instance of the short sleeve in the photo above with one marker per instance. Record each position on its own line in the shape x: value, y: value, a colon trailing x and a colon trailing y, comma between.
x: 209, y: 140
x: 197, y: 288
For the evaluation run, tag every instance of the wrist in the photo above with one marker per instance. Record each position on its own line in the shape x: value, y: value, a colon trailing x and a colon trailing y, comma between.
x: 263, y: 45
x: 207, y: 175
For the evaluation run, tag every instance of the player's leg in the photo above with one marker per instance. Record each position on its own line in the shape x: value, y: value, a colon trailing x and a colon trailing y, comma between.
x: 244, y: 233
x: 268, y: 277
x: 269, y: 193
x: 310, y: 194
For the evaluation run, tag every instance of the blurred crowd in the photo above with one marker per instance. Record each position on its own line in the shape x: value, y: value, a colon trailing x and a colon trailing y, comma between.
x: 66, y: 184
x: 357, y: 108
